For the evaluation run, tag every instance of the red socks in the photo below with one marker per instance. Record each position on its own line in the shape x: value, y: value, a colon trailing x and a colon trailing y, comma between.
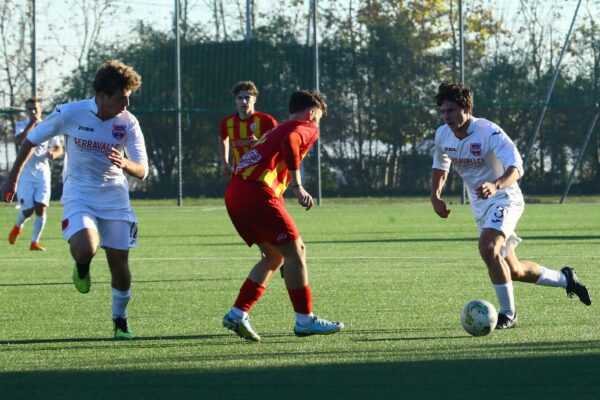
x: 301, y: 299
x: 250, y: 292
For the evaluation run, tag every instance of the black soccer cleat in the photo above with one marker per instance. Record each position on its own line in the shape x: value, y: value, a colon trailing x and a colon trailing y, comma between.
x: 574, y: 286
x: 506, y: 323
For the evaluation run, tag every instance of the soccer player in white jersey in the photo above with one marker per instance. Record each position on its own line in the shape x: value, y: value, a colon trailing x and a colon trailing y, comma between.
x: 102, y: 140
x: 490, y: 165
x: 34, y: 184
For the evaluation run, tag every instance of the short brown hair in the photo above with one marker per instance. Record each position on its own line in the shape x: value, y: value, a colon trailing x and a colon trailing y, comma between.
x: 455, y: 92
x: 249, y: 86
x: 113, y: 75
x: 32, y: 100
x: 303, y: 99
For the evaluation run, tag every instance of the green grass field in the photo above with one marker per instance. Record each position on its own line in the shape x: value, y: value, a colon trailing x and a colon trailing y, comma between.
x: 394, y: 273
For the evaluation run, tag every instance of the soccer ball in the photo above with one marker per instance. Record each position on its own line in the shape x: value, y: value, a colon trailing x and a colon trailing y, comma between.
x: 479, y: 317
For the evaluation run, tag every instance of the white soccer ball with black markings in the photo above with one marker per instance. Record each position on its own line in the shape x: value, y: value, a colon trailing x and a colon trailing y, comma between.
x: 479, y: 318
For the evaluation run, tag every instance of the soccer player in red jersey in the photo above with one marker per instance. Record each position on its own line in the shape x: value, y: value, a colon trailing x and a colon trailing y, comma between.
x: 254, y: 200
x: 242, y: 129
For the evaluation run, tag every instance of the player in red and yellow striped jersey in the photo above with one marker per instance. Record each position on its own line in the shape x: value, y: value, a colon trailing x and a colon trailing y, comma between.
x: 256, y: 207
x: 242, y: 129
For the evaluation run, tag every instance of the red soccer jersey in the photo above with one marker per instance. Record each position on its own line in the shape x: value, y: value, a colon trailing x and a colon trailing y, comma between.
x: 241, y: 133
x: 266, y: 162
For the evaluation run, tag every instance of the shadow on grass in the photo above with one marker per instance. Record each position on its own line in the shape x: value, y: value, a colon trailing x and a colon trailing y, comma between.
x: 573, y: 377
x: 422, y: 240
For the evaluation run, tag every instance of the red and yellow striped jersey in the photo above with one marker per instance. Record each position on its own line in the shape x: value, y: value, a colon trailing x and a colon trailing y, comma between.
x: 243, y: 133
x: 266, y: 162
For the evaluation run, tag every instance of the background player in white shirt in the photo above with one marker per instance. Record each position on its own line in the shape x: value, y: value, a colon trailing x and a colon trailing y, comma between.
x: 34, y: 183
x: 490, y: 165
x: 97, y: 211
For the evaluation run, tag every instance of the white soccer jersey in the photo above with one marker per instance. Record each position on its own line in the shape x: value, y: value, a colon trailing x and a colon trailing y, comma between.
x: 482, y: 156
x: 37, y: 167
x: 90, y: 178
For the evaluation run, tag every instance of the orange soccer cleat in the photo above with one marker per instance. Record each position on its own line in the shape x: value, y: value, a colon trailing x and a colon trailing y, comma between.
x: 36, y: 246
x: 14, y: 234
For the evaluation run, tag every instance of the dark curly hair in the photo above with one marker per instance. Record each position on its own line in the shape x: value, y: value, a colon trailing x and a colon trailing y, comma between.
x: 248, y: 86
x: 303, y: 99
x: 455, y: 92
x: 113, y: 75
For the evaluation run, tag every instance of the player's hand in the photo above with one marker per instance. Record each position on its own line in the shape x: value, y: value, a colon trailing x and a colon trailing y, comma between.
x: 486, y: 190
x: 304, y: 198
x: 8, y: 190
x: 226, y: 169
x: 50, y: 155
x: 117, y: 159
x: 439, y: 206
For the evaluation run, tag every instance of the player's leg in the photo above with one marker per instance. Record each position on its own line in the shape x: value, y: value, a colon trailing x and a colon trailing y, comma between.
x: 118, y: 262
x: 490, y: 243
x: 25, y: 191
x: 299, y: 291
x: 117, y: 237
x: 41, y: 198
x: 83, y: 245
x: 38, y: 227
x: 531, y: 272
x: 251, y: 291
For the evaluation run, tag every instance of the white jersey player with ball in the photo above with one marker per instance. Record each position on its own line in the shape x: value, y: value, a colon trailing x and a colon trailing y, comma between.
x: 490, y: 165
x: 103, y: 142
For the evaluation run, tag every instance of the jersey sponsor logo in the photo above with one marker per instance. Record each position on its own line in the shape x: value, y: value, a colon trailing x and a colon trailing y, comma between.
x: 118, y: 132
x: 250, y: 158
x: 475, y: 149
x: 475, y: 162
x: 253, y: 127
x: 449, y: 148
x: 243, y: 142
x: 85, y: 128
x: 92, y: 146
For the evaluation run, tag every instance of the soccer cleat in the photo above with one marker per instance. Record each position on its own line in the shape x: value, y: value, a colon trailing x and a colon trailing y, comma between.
x: 81, y: 284
x: 36, y: 246
x: 14, y: 234
x: 506, y: 323
x: 574, y: 286
x: 241, y: 326
x: 122, y: 330
x: 318, y: 326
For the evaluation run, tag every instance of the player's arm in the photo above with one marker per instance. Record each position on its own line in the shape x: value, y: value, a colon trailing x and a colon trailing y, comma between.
x: 224, y: 154
x: 438, y: 179
x: 136, y: 162
x: 56, y: 152
x: 34, y: 119
x: 488, y: 189
x: 134, y: 168
x: 291, y: 155
x: 506, y: 151
x: 9, y: 186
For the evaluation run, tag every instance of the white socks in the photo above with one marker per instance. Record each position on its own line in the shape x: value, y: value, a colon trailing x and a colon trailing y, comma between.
x: 120, y: 299
x: 506, y: 299
x: 238, y: 313
x: 21, y: 219
x: 38, y: 227
x: 304, y: 319
x: 551, y: 277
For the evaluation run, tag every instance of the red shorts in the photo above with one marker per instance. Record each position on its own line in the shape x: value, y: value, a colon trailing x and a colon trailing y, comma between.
x: 257, y: 215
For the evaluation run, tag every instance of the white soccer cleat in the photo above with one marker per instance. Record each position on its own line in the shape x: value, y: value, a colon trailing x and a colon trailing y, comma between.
x: 241, y: 326
x: 318, y: 326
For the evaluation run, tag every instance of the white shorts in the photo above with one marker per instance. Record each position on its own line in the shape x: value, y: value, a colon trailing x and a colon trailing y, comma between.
x: 114, y: 234
x: 503, y: 216
x: 31, y: 192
